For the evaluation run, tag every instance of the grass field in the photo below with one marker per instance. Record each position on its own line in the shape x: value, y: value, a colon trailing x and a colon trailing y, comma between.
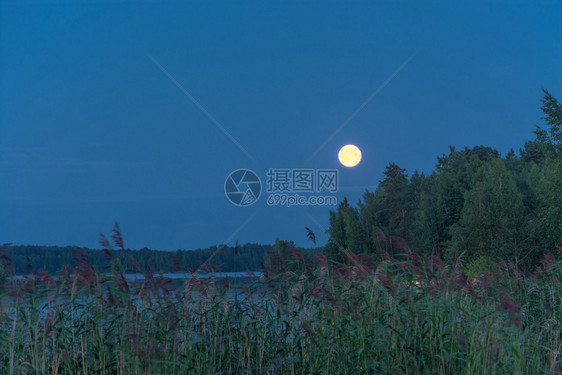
x: 406, y: 315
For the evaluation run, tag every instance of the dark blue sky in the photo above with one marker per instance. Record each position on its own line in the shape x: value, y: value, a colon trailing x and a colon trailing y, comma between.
x: 92, y: 130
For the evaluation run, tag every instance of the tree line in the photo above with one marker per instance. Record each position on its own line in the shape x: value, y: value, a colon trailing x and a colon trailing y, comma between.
x: 24, y: 259
x: 475, y: 206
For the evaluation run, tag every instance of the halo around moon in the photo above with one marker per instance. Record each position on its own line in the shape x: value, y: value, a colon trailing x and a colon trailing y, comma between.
x: 349, y: 155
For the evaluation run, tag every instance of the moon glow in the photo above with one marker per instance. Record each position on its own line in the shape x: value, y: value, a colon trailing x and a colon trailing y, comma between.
x: 349, y: 155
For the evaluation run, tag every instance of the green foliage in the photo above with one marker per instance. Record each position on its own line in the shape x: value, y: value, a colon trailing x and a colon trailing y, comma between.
x: 2, y: 275
x: 478, y: 266
x: 337, y: 232
x: 283, y: 258
x: 393, y: 195
x: 492, y: 221
x: 475, y: 203
x: 553, y: 117
x: 547, y: 223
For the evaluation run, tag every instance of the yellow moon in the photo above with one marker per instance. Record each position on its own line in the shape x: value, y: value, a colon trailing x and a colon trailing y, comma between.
x: 349, y: 155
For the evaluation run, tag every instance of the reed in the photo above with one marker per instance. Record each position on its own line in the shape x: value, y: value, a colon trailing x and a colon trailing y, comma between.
x: 405, y: 315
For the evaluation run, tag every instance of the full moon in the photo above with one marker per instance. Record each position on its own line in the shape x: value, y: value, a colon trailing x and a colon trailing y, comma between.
x: 349, y: 155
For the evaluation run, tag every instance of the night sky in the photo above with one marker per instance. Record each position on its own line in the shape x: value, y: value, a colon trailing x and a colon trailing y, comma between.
x: 137, y: 111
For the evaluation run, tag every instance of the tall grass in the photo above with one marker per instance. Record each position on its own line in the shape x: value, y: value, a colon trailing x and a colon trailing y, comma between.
x: 404, y: 315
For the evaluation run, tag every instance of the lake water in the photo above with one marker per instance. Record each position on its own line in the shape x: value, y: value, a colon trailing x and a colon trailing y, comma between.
x: 218, y: 275
x: 176, y: 276
x: 237, y: 289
